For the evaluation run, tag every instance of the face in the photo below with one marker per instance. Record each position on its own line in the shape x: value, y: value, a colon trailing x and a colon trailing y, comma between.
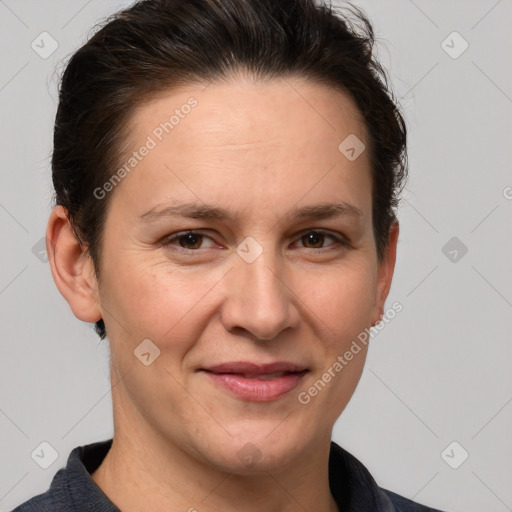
x: 219, y: 246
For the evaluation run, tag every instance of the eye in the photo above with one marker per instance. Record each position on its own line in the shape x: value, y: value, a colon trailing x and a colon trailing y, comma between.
x: 190, y: 240
x: 193, y: 240
x: 316, y: 238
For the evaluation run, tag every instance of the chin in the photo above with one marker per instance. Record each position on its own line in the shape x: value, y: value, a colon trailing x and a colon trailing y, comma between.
x: 255, y: 451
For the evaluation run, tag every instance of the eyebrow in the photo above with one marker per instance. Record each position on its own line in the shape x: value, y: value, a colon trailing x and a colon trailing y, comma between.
x: 206, y: 211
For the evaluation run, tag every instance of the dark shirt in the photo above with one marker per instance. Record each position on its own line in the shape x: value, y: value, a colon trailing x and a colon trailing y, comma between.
x: 73, y: 489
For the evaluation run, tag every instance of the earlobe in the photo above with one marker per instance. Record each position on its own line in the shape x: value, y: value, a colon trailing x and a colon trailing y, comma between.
x: 385, y: 273
x: 72, y: 267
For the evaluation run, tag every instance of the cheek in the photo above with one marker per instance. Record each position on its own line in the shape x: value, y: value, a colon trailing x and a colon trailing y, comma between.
x: 342, y: 298
x: 343, y: 302
x: 158, y: 302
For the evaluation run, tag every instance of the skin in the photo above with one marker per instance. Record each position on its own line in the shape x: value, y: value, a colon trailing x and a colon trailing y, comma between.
x: 261, y: 151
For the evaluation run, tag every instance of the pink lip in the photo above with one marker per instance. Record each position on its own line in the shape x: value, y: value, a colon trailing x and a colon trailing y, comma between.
x: 234, y: 377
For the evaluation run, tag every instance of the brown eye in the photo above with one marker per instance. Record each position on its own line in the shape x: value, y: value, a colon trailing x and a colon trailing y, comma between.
x: 190, y: 240
x: 314, y: 238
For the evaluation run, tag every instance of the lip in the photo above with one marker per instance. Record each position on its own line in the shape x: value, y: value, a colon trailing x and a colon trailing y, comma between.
x: 254, y: 382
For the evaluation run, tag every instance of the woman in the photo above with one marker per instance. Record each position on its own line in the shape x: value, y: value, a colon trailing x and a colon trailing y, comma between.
x: 226, y: 177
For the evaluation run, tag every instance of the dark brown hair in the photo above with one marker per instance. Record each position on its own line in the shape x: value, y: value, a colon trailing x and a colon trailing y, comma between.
x: 156, y: 45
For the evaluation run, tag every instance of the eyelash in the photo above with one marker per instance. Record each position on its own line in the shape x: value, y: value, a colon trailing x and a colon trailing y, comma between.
x: 168, y: 241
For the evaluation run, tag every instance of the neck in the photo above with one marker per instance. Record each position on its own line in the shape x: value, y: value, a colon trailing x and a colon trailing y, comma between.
x: 157, y: 475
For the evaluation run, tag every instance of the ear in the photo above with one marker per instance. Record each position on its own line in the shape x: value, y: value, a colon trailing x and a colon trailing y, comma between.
x: 385, y: 273
x: 72, y: 267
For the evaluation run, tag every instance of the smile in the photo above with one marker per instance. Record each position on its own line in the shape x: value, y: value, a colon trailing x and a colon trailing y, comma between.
x: 256, y: 383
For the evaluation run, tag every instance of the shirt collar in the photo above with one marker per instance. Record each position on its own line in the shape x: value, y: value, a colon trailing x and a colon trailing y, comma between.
x: 352, y: 485
x: 85, y: 495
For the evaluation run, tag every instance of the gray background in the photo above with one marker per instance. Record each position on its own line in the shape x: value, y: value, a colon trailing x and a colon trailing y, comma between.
x: 439, y: 372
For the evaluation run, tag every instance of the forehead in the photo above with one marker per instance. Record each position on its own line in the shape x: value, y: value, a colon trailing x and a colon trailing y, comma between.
x: 243, y: 140
x: 231, y: 110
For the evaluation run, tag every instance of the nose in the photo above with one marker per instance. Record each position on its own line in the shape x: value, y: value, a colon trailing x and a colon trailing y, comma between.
x: 258, y: 299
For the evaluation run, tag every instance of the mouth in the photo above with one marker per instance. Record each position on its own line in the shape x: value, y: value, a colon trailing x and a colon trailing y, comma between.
x: 254, y: 382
